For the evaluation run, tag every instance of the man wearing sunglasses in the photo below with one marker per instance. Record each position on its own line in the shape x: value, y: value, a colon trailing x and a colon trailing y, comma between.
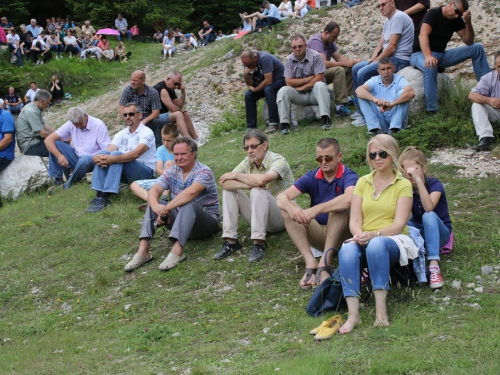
x: 265, y: 174
x: 305, y: 79
x: 148, y: 100
x: 131, y: 156
x: 172, y: 106
x: 385, y: 100
x: 325, y: 223
x: 430, y: 54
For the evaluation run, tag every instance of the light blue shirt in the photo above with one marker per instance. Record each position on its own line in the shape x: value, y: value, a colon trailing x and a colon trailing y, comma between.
x: 390, y: 93
x: 272, y: 11
x: 34, y: 30
x: 163, y: 154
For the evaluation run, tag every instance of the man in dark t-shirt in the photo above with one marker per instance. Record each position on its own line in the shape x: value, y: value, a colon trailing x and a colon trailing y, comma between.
x: 416, y: 9
x: 172, y: 110
x: 325, y: 224
x: 429, y: 49
x: 13, y: 102
x: 207, y: 33
x: 264, y: 77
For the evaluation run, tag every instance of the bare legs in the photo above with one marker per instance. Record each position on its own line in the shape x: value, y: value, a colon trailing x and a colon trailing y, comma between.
x: 184, y: 124
x: 353, y: 319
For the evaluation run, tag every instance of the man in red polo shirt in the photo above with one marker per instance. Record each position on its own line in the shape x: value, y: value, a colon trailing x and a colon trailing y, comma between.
x: 325, y: 223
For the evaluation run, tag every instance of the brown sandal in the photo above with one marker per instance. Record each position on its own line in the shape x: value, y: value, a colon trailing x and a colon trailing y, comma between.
x: 271, y: 129
x: 310, y: 272
x: 317, y: 279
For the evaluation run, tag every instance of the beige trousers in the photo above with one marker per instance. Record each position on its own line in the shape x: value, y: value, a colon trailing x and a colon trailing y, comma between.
x: 342, y: 83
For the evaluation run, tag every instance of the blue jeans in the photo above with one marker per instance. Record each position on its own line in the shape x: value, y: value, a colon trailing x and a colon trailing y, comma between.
x: 128, y: 34
x: 107, y: 180
x: 38, y: 149
x: 80, y: 165
x: 14, y: 109
x: 380, y: 255
x: 363, y: 71
x: 57, y: 48
x: 270, y: 92
x: 434, y: 232
x: 4, y: 163
x: 396, y: 118
x: 269, y: 21
x: 209, y: 38
x: 18, y: 54
x: 446, y: 59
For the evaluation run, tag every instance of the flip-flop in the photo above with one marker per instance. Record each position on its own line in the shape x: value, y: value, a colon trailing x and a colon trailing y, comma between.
x: 317, y: 279
x: 271, y: 129
x: 309, y: 274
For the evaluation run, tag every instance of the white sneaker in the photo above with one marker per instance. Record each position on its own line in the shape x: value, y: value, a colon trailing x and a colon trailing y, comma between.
x: 355, y: 115
x: 38, y: 62
x: 201, y: 141
x: 57, y: 58
x: 360, y: 121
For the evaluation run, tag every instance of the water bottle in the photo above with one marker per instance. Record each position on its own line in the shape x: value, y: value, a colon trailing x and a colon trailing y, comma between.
x: 295, y: 123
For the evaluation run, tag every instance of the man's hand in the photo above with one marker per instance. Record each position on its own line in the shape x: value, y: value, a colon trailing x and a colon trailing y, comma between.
x: 104, y: 160
x: 430, y: 62
x: 380, y: 102
x: 63, y: 162
x: 386, y: 107
x: 495, y: 103
x: 252, y: 89
x: 161, y: 210
x: 467, y: 16
x: 227, y: 176
x: 298, y: 215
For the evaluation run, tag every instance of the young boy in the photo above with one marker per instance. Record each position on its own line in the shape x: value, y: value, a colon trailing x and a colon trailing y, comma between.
x: 164, y: 160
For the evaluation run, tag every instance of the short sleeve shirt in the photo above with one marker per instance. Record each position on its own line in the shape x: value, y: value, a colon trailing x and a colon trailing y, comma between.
x: 272, y: 162
x: 162, y: 154
x: 379, y: 212
x: 172, y: 179
x: 320, y: 190
x: 441, y: 209
x: 7, y: 127
x: 312, y: 65
x: 29, y: 124
x: 88, y: 141
x: 390, y: 93
x: 211, y: 28
x: 121, y: 25
x: 401, y: 24
x: 489, y: 85
x: 11, y: 99
x: 269, y: 63
x: 171, y: 93
x: 442, y: 30
x: 126, y: 142
x: 149, y: 100
x: 403, y: 5
x: 316, y: 43
x: 31, y: 94
x: 14, y: 39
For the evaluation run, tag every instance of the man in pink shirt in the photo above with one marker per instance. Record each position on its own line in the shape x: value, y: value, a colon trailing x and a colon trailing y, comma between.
x: 88, y: 135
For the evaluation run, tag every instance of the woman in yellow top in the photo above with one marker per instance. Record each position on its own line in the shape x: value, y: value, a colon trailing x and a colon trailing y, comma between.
x: 380, y: 208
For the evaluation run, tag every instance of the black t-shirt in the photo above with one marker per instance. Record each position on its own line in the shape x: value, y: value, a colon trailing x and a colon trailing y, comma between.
x: 402, y: 5
x: 442, y: 30
x: 161, y: 86
x: 211, y: 28
x: 11, y: 99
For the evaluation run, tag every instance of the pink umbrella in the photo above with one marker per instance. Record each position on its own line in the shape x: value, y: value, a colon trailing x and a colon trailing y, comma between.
x: 108, y: 32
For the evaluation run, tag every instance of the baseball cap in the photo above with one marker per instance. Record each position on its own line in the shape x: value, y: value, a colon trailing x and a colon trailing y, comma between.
x: 188, y: 35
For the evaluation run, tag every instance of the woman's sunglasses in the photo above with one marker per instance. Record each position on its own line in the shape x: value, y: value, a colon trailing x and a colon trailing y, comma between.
x: 382, y: 154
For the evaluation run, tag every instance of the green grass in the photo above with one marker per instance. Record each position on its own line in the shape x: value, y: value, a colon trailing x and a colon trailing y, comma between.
x: 62, y: 288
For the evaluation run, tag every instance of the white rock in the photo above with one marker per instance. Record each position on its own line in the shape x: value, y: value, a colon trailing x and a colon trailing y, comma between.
x: 486, y: 270
x: 479, y: 290
x: 415, y: 78
x: 127, y: 307
x: 456, y: 284
x: 176, y: 334
x: 471, y: 285
x: 265, y: 330
x: 25, y: 174
x: 476, y: 306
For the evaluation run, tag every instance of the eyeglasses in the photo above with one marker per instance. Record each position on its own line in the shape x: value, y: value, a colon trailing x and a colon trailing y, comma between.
x: 176, y: 84
x: 129, y: 114
x: 382, y: 5
x: 298, y: 47
x: 253, y: 147
x: 326, y: 159
x: 457, y: 11
x: 382, y: 154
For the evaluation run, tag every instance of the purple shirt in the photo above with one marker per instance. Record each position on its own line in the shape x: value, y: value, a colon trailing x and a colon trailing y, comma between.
x: 172, y: 179
x: 88, y: 141
x: 320, y: 190
x: 489, y: 85
x: 315, y: 42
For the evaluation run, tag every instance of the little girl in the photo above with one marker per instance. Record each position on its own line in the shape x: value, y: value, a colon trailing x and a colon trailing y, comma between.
x: 430, y: 209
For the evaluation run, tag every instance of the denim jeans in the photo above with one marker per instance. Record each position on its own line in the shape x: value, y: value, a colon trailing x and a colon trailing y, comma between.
x: 108, y: 179
x: 446, y: 59
x: 38, y: 149
x: 380, y: 255
x: 396, y: 118
x: 363, y: 71
x: 128, y: 34
x: 14, y: 109
x: 270, y: 92
x: 57, y: 48
x: 80, y: 165
x: 209, y: 38
x: 18, y: 54
x: 4, y: 163
x: 434, y: 232
x: 269, y: 21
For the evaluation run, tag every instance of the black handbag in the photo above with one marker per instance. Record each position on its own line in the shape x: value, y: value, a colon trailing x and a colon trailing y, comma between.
x: 328, y: 295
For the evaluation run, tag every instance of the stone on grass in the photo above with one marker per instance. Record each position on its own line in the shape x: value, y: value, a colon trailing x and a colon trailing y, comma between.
x: 415, y: 78
x: 456, y: 284
x: 24, y: 175
x: 476, y: 306
x: 479, y: 289
x: 486, y: 270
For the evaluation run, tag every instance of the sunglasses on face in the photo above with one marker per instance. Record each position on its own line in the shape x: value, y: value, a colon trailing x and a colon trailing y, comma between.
x: 253, y: 147
x: 326, y: 159
x: 176, y: 84
x: 129, y: 114
x: 382, y: 154
x: 457, y: 11
x: 381, y: 5
x: 298, y: 47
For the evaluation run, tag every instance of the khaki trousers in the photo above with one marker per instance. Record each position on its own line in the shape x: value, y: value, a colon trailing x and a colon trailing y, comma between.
x: 342, y: 83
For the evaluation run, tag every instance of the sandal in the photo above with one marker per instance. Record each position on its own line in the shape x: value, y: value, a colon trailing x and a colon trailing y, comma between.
x: 271, y: 129
x: 310, y: 272
x: 317, y: 279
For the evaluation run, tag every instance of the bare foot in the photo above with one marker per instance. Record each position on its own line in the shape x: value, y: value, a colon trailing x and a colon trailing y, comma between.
x: 164, y: 57
x: 381, y: 322
x: 349, y: 325
x: 307, y: 284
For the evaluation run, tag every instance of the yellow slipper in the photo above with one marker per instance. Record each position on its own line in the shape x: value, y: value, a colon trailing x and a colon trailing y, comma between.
x: 328, y: 330
x: 324, y: 323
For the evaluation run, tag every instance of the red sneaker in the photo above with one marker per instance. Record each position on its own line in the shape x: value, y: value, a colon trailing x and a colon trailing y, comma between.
x: 436, y: 279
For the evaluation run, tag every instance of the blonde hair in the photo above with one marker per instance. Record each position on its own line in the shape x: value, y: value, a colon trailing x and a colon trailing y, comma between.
x: 413, y: 153
x: 385, y: 143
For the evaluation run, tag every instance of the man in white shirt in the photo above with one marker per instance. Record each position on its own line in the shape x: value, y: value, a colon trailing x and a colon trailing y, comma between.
x: 131, y: 156
x: 30, y: 95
